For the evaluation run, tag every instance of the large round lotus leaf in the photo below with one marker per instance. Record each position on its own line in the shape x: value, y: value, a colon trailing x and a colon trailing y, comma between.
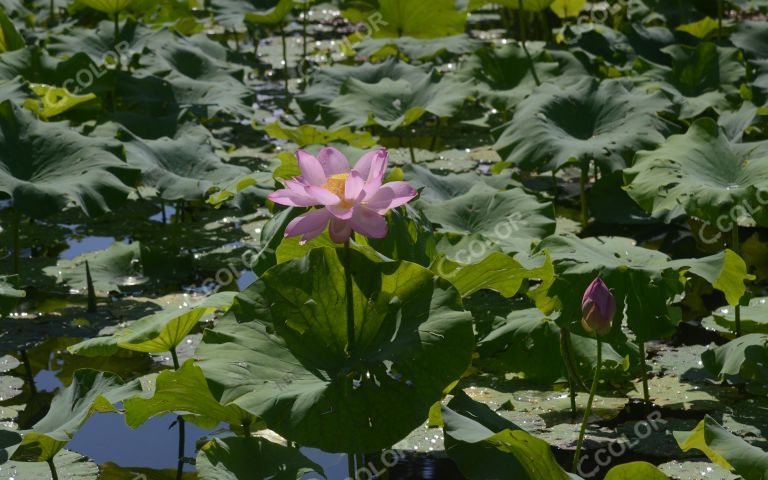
x: 396, y: 103
x: 741, y: 360
x: 703, y: 175
x: 701, y: 77
x: 510, y: 220
x: 268, y: 12
x: 483, y: 444
x: 635, y: 471
x: 644, y: 280
x: 46, y: 165
x: 725, y: 449
x: 287, y: 361
x: 236, y: 458
x: 181, y: 168
x: 416, y: 48
x: 69, y: 465
x: 605, y: 122
x: 99, y: 43
x: 327, y: 81
x: 505, y: 76
x: 754, y: 317
x: 108, y: 6
x: 202, y: 77
x: 411, y: 18
x: 695, y: 471
x: 752, y: 37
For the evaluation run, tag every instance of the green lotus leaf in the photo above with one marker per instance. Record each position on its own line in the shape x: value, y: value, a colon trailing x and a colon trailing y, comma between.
x: 411, y: 18
x: 740, y: 361
x: 482, y: 444
x: 702, y: 174
x: 438, y: 188
x: 99, y: 43
x: 510, y: 220
x: 752, y: 37
x: 527, y: 343
x: 54, y: 101
x: 10, y: 39
x: 497, y: 271
x: 643, y: 280
x: 409, y: 237
x: 268, y: 12
x: 184, y: 167
x: 285, y: 359
x: 603, y: 122
x: 691, y: 470
x: 107, y: 6
x: 701, y: 77
x: 725, y: 449
x: 326, y: 82
x: 70, y: 465
x: 232, y: 13
x: 609, y: 50
x: 159, y: 332
x: 90, y: 392
x: 567, y: 8
x: 396, y: 103
x: 636, y: 471
x: 304, y: 135
x: 236, y: 458
x: 754, y: 317
x: 202, y: 78
x: 377, y: 49
x: 119, y: 265
x: 9, y: 295
x: 47, y: 165
x: 505, y: 76
x: 700, y: 29
x: 528, y: 5
x: 186, y: 390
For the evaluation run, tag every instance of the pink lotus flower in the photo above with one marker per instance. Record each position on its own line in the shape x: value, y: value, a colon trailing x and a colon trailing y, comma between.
x: 348, y: 199
x: 598, y: 308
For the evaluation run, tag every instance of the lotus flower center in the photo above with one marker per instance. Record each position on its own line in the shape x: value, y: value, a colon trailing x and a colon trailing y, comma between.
x: 335, y: 185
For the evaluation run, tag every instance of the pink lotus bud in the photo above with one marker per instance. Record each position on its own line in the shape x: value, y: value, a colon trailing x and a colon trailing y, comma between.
x: 597, y: 308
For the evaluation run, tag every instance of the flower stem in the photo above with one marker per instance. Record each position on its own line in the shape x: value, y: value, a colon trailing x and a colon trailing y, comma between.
x: 736, y: 246
x: 592, y: 391
x: 583, y: 179
x: 304, y: 65
x: 350, y: 299
x: 351, y: 465
x: 719, y: 19
x: 565, y: 353
x: 644, y: 373
x: 90, y: 288
x: 54, y: 474
x: 17, y: 245
x: 285, y: 67
x: 180, y: 421
x: 521, y: 16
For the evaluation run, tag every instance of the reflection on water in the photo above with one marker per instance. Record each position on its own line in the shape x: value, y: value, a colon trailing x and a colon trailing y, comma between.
x: 106, y: 438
